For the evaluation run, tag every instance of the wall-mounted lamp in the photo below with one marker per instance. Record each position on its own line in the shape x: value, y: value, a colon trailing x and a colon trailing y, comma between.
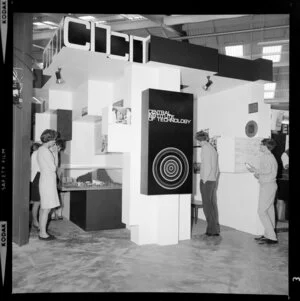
x: 59, y: 79
x: 208, y: 84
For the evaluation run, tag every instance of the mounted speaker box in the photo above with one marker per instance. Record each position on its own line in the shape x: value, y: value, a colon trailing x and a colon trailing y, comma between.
x: 167, y: 142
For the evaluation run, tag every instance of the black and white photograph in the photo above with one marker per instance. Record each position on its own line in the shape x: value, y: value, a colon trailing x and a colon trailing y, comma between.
x: 148, y: 153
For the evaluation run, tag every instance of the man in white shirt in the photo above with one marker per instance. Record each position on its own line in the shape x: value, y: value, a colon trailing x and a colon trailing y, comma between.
x: 209, y: 173
x: 266, y: 175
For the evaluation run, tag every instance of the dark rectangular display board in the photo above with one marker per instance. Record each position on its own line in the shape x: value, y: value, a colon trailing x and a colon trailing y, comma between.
x: 64, y: 124
x: 167, y: 142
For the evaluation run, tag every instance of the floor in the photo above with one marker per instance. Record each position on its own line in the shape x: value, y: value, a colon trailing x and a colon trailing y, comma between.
x: 107, y: 261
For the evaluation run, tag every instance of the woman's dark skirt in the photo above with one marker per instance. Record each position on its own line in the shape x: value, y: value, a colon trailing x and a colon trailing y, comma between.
x: 34, y: 189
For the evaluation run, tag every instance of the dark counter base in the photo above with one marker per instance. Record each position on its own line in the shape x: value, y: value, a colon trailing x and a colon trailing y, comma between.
x: 96, y: 209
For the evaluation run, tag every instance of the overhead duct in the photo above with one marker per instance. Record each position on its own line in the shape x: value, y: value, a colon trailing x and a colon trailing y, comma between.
x: 229, y: 32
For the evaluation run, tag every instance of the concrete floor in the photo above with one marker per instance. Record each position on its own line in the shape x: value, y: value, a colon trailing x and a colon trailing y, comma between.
x: 107, y: 261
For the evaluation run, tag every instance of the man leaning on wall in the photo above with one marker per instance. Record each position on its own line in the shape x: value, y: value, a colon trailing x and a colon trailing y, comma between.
x: 209, y: 173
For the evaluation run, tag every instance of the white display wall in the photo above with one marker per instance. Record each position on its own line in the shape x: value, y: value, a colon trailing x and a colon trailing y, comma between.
x: 43, y: 121
x: 151, y: 219
x: 226, y: 114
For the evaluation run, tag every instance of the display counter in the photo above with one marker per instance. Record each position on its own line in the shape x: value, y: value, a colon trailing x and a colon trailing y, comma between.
x: 81, y: 188
x: 95, y: 197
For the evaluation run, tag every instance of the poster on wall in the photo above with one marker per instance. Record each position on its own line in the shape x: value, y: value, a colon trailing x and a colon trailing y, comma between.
x: 246, y: 150
x: 119, y: 115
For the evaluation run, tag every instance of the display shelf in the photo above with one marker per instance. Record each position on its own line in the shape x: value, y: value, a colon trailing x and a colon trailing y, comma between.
x: 95, y: 187
x: 89, y: 178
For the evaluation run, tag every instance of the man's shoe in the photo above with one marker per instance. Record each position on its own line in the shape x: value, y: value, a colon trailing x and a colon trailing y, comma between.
x: 47, y: 238
x: 260, y: 238
x: 50, y: 235
x: 268, y: 241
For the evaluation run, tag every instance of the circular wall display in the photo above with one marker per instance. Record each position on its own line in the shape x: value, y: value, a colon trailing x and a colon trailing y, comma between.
x: 170, y: 168
x: 251, y: 128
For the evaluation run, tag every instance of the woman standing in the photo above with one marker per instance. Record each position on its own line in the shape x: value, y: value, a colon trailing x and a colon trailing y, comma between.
x: 47, y: 183
x: 34, y: 185
x: 58, y: 147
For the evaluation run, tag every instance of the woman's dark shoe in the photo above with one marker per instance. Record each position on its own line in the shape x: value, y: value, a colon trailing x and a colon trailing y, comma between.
x: 50, y: 237
x: 268, y: 241
x: 260, y: 238
x: 209, y: 234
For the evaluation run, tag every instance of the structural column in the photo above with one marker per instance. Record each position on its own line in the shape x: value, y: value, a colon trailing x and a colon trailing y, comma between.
x: 22, y: 63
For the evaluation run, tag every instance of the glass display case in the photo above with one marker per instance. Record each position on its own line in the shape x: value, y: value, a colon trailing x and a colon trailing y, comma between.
x: 89, y: 178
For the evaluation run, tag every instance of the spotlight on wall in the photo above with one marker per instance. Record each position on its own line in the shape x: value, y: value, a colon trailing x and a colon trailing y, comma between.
x: 59, y: 79
x: 208, y: 84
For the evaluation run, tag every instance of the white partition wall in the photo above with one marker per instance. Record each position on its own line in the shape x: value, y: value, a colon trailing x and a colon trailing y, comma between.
x: 44, y: 121
x: 80, y: 100
x: 82, y: 150
x: 100, y: 95
x: 59, y: 99
x: 151, y: 219
x: 226, y: 114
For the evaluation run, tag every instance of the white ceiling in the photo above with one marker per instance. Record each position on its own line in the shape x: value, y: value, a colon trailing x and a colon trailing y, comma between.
x: 216, y: 31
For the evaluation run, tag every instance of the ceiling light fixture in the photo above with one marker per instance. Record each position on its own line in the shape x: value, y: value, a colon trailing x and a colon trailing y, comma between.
x: 39, y: 24
x: 208, y: 84
x: 133, y: 17
x: 50, y: 23
x: 87, y: 18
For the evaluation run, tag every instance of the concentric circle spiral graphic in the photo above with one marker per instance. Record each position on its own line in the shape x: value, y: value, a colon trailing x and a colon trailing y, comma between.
x: 170, y: 168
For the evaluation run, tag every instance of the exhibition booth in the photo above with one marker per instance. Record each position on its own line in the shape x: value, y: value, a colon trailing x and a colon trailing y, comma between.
x: 129, y: 108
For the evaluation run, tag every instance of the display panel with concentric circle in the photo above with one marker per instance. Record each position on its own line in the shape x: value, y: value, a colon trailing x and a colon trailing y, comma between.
x: 170, y: 168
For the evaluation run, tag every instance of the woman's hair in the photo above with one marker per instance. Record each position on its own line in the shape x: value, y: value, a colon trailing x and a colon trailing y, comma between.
x: 202, y: 136
x: 35, y: 146
x: 269, y: 143
x: 48, y: 135
x: 61, y: 143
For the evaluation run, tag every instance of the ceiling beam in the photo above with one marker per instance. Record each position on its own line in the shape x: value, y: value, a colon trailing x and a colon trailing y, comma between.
x: 277, y: 100
x: 132, y: 25
x: 159, y: 20
x: 282, y: 106
x: 183, y: 19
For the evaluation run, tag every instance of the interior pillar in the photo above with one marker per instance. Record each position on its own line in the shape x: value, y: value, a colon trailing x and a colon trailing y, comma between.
x: 22, y: 64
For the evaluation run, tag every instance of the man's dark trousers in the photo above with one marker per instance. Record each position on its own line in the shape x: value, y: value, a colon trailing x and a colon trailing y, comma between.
x: 210, y: 209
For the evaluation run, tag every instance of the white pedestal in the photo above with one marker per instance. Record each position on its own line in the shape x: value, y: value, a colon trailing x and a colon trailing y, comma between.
x: 184, y: 216
x: 165, y: 220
